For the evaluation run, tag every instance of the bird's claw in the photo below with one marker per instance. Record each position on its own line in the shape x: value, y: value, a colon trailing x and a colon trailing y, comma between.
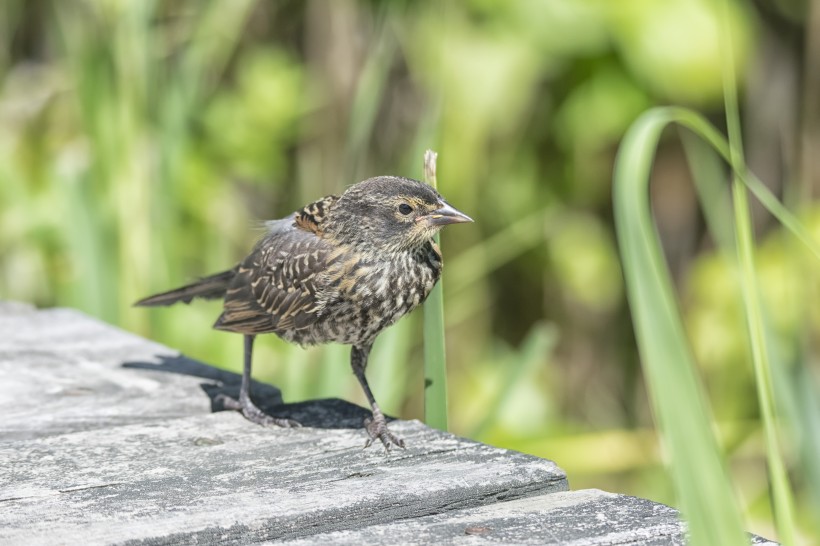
x: 376, y: 428
x: 253, y: 414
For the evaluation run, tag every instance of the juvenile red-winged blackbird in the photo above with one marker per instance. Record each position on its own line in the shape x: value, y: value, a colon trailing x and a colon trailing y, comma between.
x: 341, y: 269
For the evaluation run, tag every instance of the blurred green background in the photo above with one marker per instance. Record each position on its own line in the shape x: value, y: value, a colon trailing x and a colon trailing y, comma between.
x: 141, y: 143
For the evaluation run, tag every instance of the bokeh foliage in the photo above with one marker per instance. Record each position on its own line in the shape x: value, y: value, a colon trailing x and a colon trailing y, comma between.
x: 142, y: 141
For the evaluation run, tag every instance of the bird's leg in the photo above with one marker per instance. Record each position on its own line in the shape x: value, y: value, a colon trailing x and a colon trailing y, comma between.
x: 377, y: 425
x: 245, y: 404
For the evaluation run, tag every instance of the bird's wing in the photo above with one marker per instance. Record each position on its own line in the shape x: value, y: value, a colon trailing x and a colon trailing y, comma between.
x: 311, y: 216
x: 275, y: 287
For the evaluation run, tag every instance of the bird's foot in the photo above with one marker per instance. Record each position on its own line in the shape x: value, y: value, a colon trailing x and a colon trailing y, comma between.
x: 253, y: 414
x: 376, y: 427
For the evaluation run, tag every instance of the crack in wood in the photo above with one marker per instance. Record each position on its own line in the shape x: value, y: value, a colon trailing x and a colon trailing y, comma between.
x: 85, y: 487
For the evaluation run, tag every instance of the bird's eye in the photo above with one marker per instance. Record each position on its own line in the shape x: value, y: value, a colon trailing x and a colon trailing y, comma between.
x: 404, y: 208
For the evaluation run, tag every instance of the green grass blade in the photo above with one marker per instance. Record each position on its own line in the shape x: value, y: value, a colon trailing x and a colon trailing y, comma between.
x: 781, y: 490
x: 435, y: 366
x: 709, y: 175
x: 703, y: 129
x: 783, y: 501
x: 806, y: 411
x: 660, y: 335
x: 793, y: 395
x: 697, y: 470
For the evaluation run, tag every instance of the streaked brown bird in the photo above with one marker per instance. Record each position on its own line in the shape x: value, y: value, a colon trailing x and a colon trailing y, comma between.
x: 341, y: 269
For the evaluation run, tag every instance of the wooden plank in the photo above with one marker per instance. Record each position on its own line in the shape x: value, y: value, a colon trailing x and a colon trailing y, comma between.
x: 108, y: 438
x: 218, y: 478
x: 581, y: 518
x: 64, y: 371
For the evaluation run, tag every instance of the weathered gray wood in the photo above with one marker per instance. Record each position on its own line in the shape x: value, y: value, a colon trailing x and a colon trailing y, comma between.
x: 63, y: 371
x: 108, y: 438
x: 579, y: 518
x: 199, y: 478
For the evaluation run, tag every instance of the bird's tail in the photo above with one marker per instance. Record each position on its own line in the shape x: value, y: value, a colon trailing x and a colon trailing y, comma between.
x: 208, y: 288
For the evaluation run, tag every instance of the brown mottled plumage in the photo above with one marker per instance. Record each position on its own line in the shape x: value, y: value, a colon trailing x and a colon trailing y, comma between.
x: 341, y: 269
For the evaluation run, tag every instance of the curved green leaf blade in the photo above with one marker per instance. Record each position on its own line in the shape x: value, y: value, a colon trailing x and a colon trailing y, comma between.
x: 697, y: 470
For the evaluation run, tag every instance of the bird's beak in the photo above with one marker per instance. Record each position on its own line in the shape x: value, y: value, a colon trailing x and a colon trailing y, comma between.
x: 444, y: 215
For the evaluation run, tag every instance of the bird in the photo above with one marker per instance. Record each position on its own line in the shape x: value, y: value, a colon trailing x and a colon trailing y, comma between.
x: 340, y: 269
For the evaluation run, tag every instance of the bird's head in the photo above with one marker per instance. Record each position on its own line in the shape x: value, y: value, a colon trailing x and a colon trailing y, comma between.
x: 391, y: 213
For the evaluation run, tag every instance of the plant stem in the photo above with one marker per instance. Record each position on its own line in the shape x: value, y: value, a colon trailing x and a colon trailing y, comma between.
x: 435, y: 367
